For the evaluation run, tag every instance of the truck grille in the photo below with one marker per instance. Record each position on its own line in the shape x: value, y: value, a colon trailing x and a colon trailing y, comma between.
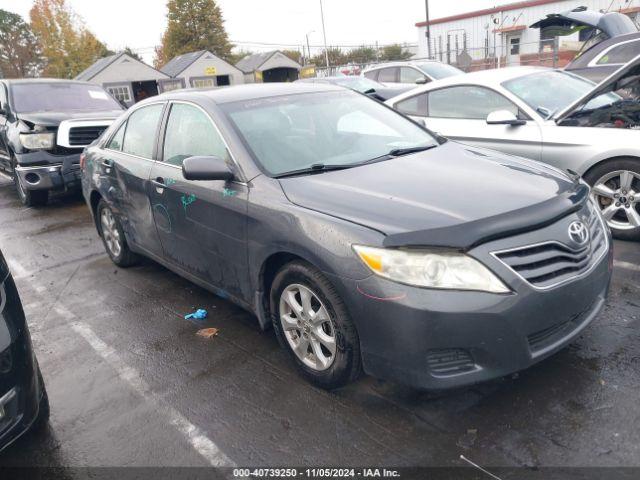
x: 82, y: 136
x: 552, y: 263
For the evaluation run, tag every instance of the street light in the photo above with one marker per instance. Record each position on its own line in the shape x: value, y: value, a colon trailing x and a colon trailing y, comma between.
x: 324, y: 34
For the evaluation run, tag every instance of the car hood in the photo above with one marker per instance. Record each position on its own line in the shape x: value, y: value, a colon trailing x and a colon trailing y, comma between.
x: 612, y: 24
x: 53, y: 119
x: 616, y: 81
x: 453, y: 195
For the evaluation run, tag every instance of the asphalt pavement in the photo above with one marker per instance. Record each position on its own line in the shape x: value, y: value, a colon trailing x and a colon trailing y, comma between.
x: 132, y: 384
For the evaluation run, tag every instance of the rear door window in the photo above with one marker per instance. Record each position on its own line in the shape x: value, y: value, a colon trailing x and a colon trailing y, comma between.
x: 468, y: 102
x: 416, y: 105
x: 116, y: 140
x: 388, y: 75
x: 372, y: 75
x: 142, y: 128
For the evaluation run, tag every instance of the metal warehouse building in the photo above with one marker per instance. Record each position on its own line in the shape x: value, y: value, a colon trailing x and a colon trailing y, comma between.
x: 502, y: 33
x: 267, y: 67
x: 201, y: 69
x: 126, y: 78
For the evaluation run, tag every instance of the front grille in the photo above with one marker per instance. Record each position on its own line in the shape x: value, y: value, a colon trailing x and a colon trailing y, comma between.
x: 543, y: 338
x: 552, y: 263
x: 450, y: 361
x: 82, y: 136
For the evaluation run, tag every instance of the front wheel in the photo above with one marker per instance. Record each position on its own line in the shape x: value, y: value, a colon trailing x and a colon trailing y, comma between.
x: 113, y: 237
x: 313, y: 325
x: 616, y: 190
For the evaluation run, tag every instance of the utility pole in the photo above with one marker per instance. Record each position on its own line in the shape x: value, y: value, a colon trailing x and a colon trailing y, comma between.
x: 428, y: 32
x: 308, y: 47
x: 324, y: 34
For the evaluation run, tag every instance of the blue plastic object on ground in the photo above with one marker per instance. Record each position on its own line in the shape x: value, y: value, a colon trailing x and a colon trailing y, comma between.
x: 197, y: 315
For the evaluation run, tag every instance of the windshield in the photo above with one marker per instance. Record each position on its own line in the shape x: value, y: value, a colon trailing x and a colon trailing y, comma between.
x: 60, y: 97
x: 439, y: 70
x: 551, y: 91
x: 339, y: 128
x: 359, y: 84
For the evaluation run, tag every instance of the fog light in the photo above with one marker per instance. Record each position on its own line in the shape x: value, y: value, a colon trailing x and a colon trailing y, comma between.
x: 32, y: 178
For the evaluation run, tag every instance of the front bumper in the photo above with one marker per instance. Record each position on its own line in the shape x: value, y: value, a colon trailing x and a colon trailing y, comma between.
x: 59, y: 173
x: 438, y: 339
x: 21, y: 389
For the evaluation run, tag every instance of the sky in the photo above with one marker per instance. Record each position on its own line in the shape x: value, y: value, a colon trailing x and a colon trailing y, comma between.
x: 139, y: 24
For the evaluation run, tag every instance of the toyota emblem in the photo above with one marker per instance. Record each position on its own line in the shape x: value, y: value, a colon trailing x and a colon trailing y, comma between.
x: 579, y: 233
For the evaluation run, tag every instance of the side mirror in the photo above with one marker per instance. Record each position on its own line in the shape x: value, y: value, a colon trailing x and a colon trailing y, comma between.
x: 422, y: 81
x: 504, y: 117
x: 206, y: 168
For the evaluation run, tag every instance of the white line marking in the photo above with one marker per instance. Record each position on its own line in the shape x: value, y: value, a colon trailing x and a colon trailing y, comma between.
x: 198, y: 440
x: 17, y: 270
x: 626, y: 265
x: 194, y: 435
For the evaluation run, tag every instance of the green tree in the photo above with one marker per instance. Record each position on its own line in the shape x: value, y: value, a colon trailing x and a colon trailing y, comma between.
x: 131, y: 53
x: 193, y: 25
x: 362, y: 54
x: 239, y: 55
x: 336, y: 57
x: 394, y: 53
x: 19, y: 49
x: 68, y: 47
x: 294, y: 55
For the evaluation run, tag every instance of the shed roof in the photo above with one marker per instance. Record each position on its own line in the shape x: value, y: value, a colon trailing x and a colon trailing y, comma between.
x: 104, y: 63
x: 179, y: 64
x: 251, y: 63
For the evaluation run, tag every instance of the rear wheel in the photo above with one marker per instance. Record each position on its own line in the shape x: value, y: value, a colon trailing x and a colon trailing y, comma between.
x: 29, y: 198
x: 113, y: 237
x: 616, y: 190
x: 313, y: 325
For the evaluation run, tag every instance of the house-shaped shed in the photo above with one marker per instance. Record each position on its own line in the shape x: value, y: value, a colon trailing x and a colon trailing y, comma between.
x: 201, y: 69
x: 128, y: 79
x: 266, y: 67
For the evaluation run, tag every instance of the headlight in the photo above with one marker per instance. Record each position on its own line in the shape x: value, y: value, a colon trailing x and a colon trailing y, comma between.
x: 37, y: 141
x: 431, y: 268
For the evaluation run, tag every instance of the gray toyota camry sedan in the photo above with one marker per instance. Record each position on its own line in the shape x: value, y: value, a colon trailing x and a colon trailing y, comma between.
x: 367, y: 242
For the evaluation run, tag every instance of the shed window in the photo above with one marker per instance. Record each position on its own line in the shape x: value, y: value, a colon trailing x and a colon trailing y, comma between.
x: 172, y: 85
x: 202, y: 82
x: 121, y: 93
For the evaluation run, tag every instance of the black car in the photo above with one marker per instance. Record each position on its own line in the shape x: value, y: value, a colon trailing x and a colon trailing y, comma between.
x: 363, y: 85
x: 612, y: 40
x: 24, y: 404
x: 362, y: 238
x: 44, y: 126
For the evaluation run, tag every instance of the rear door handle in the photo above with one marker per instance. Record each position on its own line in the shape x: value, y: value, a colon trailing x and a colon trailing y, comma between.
x: 107, y: 163
x: 159, y: 184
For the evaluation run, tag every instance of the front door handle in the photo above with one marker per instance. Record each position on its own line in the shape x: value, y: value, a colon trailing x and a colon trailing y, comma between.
x: 107, y: 163
x: 159, y: 184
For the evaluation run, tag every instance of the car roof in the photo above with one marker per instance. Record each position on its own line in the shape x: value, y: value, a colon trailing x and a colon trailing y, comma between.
x: 486, y: 77
x: 401, y: 64
x: 253, y: 91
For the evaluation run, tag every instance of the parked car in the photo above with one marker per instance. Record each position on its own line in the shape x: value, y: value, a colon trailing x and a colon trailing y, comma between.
x: 24, y: 404
x: 548, y: 115
x: 410, y: 73
x: 613, y: 42
x: 363, y: 85
x: 44, y: 126
x: 363, y: 239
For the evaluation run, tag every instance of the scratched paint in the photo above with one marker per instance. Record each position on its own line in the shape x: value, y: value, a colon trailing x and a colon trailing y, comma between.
x: 227, y: 192
x: 187, y: 200
x: 163, y: 213
x: 396, y: 298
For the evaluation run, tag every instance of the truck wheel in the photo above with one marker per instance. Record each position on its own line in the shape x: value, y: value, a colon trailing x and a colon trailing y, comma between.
x: 113, y: 237
x: 29, y: 198
x: 313, y: 325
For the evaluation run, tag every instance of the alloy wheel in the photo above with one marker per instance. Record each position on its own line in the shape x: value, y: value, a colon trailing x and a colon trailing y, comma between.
x: 110, y: 232
x: 617, y: 194
x: 307, y: 327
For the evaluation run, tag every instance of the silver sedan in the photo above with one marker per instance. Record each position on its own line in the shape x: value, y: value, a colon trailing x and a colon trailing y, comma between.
x: 550, y: 116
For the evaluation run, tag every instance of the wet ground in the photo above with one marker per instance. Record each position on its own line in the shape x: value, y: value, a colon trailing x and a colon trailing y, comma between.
x: 131, y: 384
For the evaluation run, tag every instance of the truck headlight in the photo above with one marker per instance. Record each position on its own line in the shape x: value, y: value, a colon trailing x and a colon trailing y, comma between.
x: 431, y: 269
x: 37, y: 141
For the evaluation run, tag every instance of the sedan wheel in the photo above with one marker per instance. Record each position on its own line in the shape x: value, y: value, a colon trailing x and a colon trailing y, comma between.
x: 110, y: 232
x: 307, y: 327
x: 617, y: 194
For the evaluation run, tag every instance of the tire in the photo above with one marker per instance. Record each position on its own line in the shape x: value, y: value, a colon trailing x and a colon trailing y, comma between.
x: 113, y: 237
x: 328, y: 370
x: 613, y: 181
x: 29, y: 198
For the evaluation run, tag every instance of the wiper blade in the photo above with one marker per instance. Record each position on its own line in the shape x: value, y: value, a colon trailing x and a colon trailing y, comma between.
x: 398, y: 152
x: 315, y: 168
